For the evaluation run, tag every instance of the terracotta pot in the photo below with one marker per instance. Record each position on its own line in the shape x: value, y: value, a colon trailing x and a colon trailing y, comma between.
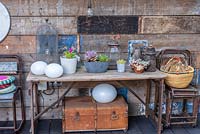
x: 138, y: 71
x: 137, y: 68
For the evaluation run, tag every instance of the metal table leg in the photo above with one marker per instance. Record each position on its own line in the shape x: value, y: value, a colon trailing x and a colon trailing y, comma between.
x: 32, y: 110
x: 36, y: 100
x: 35, y: 114
x: 160, y: 100
x: 148, y: 96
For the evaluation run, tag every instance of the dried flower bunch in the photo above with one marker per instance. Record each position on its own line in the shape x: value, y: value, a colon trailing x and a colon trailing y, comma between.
x: 91, y: 56
x: 116, y: 38
x: 176, y: 65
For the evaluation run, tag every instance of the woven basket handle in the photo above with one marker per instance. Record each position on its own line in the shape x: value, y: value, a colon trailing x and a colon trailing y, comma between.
x: 185, y: 53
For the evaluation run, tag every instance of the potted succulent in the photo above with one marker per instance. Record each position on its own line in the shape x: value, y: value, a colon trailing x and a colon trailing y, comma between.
x: 121, y: 65
x: 96, y: 63
x: 139, y: 65
x: 69, y: 61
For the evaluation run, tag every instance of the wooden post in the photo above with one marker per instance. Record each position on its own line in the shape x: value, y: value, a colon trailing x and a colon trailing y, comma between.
x: 78, y: 43
x: 32, y: 110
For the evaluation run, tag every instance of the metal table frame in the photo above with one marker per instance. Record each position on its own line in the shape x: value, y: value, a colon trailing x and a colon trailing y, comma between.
x: 111, y: 75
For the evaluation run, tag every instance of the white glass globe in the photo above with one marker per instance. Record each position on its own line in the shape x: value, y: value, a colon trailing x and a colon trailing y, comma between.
x: 104, y: 93
x: 53, y: 70
x: 38, y: 67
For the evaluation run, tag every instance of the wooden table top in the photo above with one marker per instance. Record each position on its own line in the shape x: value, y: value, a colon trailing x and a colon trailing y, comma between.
x: 110, y: 75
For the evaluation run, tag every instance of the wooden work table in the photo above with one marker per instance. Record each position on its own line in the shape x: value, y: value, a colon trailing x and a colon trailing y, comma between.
x: 111, y: 75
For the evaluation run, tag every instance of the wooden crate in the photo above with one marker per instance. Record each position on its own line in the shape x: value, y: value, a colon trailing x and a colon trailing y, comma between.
x: 84, y: 114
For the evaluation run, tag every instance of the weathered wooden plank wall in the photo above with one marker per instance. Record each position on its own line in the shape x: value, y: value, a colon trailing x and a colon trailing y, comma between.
x: 165, y: 24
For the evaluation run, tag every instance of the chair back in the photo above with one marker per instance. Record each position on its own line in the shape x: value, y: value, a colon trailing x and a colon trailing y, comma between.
x: 12, y: 65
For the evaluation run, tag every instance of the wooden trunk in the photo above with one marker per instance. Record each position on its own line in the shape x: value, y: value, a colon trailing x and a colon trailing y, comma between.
x: 84, y: 114
x: 79, y: 114
x: 112, y: 116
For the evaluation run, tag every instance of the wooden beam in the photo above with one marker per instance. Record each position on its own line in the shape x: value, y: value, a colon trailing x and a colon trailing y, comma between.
x: 159, y: 41
x: 102, y: 7
x: 169, y: 24
x: 29, y: 25
x: 18, y: 44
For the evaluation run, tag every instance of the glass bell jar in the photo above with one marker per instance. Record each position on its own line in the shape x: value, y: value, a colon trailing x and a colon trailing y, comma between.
x: 47, y: 43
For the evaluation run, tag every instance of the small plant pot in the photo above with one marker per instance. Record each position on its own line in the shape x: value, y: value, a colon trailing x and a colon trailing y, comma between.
x: 69, y: 65
x: 120, y: 68
x: 137, y: 68
x: 138, y: 71
x: 96, y: 67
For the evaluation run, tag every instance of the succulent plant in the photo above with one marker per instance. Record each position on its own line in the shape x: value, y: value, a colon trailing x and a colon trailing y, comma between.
x: 140, y: 62
x: 103, y: 58
x: 69, y: 54
x: 121, y: 61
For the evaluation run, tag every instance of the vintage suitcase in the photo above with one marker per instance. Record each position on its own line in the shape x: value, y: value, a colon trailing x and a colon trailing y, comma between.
x: 78, y: 114
x: 84, y: 114
x: 112, y: 116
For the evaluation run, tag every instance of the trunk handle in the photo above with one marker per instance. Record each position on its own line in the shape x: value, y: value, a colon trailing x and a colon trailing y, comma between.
x: 77, y: 116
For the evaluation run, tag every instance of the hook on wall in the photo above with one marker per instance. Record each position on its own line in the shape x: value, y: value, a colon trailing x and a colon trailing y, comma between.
x: 90, y: 11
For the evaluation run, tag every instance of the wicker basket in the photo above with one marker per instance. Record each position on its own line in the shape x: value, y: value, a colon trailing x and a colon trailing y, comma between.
x: 179, y: 80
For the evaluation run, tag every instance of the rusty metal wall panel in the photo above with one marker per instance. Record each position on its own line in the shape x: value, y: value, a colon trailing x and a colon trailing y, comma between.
x: 107, y: 24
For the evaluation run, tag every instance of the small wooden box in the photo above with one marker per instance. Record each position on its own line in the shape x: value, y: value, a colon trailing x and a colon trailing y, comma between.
x: 84, y: 114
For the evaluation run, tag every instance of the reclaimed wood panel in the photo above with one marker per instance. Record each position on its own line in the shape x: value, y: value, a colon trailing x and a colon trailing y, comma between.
x: 169, y: 24
x: 107, y: 24
x: 46, y: 7
x: 18, y: 44
x: 196, y: 59
x: 7, y: 115
x: 26, y: 45
x: 29, y: 25
x: 99, y: 43
x: 102, y: 7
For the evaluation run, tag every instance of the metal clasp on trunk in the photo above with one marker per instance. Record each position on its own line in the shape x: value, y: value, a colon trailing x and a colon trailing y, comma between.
x: 126, y: 114
x: 114, y: 116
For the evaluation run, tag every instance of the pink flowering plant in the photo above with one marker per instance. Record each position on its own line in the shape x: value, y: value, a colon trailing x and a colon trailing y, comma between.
x: 91, y: 56
x: 70, y: 53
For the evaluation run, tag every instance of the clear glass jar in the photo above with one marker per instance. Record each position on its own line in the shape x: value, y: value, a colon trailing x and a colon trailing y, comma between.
x: 114, y: 51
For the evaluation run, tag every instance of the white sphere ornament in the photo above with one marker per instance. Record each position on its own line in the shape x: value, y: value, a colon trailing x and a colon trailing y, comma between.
x: 53, y: 70
x: 38, y: 67
x: 104, y: 93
